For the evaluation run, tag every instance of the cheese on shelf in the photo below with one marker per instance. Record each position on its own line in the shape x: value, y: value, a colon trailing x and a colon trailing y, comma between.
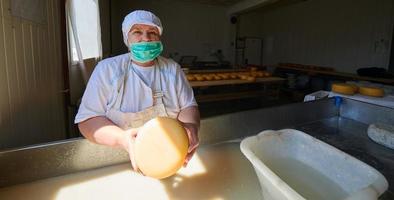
x: 243, y: 75
x: 344, y: 88
x: 371, y: 91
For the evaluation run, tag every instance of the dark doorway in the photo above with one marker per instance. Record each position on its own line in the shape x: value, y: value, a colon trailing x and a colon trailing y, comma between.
x: 391, y: 64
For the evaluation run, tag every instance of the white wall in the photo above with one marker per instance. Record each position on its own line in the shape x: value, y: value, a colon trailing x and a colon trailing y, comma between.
x: 346, y: 34
x: 31, y: 102
x: 189, y: 28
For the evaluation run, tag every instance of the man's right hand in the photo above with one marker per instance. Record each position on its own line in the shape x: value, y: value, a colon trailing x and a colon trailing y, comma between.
x: 101, y: 130
x: 128, y: 143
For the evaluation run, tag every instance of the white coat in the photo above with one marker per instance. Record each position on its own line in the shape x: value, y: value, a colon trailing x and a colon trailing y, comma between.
x: 108, y: 77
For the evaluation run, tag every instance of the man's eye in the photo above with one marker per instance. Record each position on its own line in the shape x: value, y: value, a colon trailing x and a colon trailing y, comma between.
x: 153, y: 33
x: 136, y: 32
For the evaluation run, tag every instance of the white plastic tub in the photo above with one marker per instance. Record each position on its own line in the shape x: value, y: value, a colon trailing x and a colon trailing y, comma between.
x: 292, y: 165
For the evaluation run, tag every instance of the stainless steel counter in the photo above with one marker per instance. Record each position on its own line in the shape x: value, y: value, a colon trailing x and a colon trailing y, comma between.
x: 71, y: 156
x: 351, y: 137
x: 217, y: 171
x: 343, y: 127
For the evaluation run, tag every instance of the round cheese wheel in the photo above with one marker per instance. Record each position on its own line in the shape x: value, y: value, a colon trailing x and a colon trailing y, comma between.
x: 190, y: 77
x: 371, y: 91
x: 343, y: 88
x: 355, y: 87
x: 208, y: 77
x: 244, y: 77
x: 260, y: 74
x: 216, y: 77
x: 251, y: 78
x: 224, y: 76
x: 161, y: 147
x: 200, y: 78
x: 267, y: 74
x: 233, y: 76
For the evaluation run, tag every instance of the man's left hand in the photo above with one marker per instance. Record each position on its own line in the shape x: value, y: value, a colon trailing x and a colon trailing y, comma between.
x: 192, y: 134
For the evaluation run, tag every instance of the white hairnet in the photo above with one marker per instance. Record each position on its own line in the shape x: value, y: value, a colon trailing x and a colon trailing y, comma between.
x: 140, y: 17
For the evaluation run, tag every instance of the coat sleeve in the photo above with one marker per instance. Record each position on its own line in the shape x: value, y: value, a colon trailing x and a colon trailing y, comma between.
x: 96, y: 96
x: 184, y: 90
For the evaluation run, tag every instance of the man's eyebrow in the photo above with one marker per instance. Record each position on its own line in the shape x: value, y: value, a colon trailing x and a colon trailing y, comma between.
x: 153, y: 29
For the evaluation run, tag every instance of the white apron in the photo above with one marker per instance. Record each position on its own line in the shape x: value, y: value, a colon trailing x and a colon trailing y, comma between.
x: 128, y: 120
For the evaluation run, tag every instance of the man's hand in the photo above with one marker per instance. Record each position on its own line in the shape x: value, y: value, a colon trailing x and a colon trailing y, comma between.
x: 101, y: 130
x: 192, y: 134
x: 128, y: 145
x: 190, y: 118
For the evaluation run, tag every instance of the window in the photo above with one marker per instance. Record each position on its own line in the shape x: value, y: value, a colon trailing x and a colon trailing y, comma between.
x: 84, y: 30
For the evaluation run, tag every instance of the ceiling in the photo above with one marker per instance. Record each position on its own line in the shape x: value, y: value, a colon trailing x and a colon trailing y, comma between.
x: 216, y: 2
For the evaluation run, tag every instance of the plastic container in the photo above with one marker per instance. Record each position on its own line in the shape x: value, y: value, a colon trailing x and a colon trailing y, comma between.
x: 292, y: 165
x: 316, y: 96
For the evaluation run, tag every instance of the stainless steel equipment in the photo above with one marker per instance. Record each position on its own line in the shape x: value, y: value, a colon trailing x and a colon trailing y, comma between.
x: 344, y: 127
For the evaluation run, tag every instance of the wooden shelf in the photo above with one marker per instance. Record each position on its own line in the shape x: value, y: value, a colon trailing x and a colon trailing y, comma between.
x: 229, y: 96
x: 203, y: 71
x: 340, y: 74
x: 235, y: 82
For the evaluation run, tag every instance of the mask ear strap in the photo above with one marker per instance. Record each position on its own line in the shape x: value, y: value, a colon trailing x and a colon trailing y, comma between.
x: 125, y: 76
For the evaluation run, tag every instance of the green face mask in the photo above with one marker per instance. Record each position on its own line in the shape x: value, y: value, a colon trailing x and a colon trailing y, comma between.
x: 145, y: 51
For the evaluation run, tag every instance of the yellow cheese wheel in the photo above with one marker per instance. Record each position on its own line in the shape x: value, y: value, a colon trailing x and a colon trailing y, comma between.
x: 216, y: 77
x: 355, y: 87
x: 343, y: 88
x: 243, y: 77
x: 224, y: 76
x: 253, y: 69
x: 161, y: 147
x: 251, y: 78
x: 208, y: 77
x: 233, y: 76
x: 371, y: 91
x: 200, y: 78
x: 190, y: 77
x: 260, y: 74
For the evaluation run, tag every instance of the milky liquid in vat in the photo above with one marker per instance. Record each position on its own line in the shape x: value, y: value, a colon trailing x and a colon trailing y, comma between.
x: 305, y: 180
x: 217, y: 172
x: 229, y: 175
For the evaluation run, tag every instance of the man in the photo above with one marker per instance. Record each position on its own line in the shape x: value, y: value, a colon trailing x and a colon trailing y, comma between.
x: 126, y: 91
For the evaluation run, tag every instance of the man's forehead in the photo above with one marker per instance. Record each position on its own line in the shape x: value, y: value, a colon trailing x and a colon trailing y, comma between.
x: 144, y: 26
